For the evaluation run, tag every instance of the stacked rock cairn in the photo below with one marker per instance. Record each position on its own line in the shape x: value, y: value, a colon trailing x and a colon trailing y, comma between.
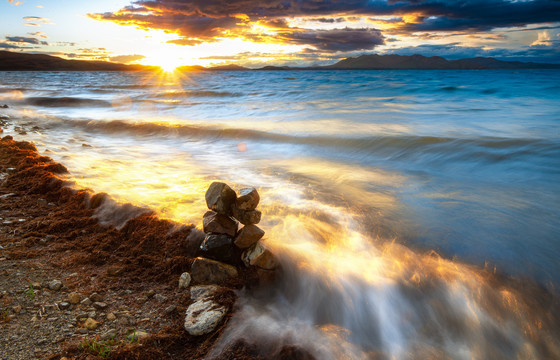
x: 225, y: 246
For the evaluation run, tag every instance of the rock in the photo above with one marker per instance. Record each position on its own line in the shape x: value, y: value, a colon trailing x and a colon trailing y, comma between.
x: 184, y: 280
x: 111, y: 316
x: 86, y: 302
x: 95, y: 297
x: 74, y: 298
x: 55, y: 285
x: 160, y: 298
x: 168, y: 310
x: 109, y: 334
x: 247, y: 217
x: 258, y: 255
x: 64, y: 305
x: 4, y: 106
x: 210, y: 271
x: 266, y: 277
x: 214, y: 223
x: 82, y: 331
x: 203, y: 291
x: 16, y: 309
x: 99, y: 305
x: 150, y: 293
x: 91, y: 324
x: 203, y: 316
x: 137, y: 335
x: 248, y: 236
x: 220, y: 198
x: 218, y: 247
x: 248, y: 199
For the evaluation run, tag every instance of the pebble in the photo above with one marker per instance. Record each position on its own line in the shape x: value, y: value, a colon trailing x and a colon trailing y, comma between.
x: 17, y: 309
x: 95, y: 297
x: 168, y: 310
x: 74, y: 298
x: 111, y: 316
x: 55, y: 285
x: 184, y: 280
x: 109, y: 334
x: 99, y: 305
x: 137, y: 335
x: 64, y: 305
x: 86, y: 302
x: 91, y: 324
x: 161, y: 298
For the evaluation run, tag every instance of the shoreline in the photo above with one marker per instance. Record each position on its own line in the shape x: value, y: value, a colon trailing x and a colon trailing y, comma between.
x: 49, y: 232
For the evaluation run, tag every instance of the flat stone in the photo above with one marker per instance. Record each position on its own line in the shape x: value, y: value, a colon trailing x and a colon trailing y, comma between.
x: 248, y: 236
x: 214, y: 223
x: 218, y: 247
x: 86, y: 302
x: 184, y: 280
x: 111, y: 316
x: 168, y: 310
x: 109, y: 334
x: 220, y: 198
x: 247, y: 217
x: 55, y: 285
x: 203, y: 316
x: 248, y: 199
x: 258, y: 255
x: 137, y: 335
x: 95, y: 297
x: 211, y: 272
x: 203, y: 291
x: 99, y: 305
x: 64, y: 305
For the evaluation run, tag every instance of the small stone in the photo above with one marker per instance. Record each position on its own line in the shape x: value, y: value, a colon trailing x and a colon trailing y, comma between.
x: 203, y: 316
x: 203, y: 291
x: 95, y: 297
x: 248, y: 199
x: 16, y: 309
x: 150, y: 293
x: 109, y: 334
x: 42, y: 342
x: 99, y: 305
x: 168, y: 310
x: 160, y: 298
x: 258, y: 255
x: 74, y: 298
x: 214, y: 223
x: 218, y: 247
x: 111, y: 316
x: 247, y: 217
x: 220, y: 198
x: 210, y: 271
x: 82, y: 331
x: 91, y: 324
x: 86, y: 302
x: 55, y: 285
x: 184, y: 280
x: 64, y: 305
x: 137, y: 335
x: 248, y: 236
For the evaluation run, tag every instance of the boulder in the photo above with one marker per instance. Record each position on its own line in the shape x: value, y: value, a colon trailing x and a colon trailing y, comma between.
x: 220, y: 198
x: 248, y: 236
x: 218, y: 247
x: 248, y: 199
x: 211, y: 272
x: 258, y: 255
x: 184, y: 280
x: 246, y: 217
x: 215, y: 223
x: 266, y: 277
x: 203, y: 316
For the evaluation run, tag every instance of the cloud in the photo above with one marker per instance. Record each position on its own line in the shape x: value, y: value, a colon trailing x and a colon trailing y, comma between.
x: 36, y: 21
x: 26, y: 40
x: 39, y: 34
x: 198, y: 21
x: 5, y: 45
x: 126, y: 58
x: 14, y: 2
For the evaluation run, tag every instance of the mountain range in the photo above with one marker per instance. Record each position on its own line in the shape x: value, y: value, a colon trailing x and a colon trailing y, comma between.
x: 11, y: 61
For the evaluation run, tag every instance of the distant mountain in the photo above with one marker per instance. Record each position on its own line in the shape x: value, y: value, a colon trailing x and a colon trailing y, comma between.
x: 12, y: 61
x: 38, y: 62
x: 419, y: 62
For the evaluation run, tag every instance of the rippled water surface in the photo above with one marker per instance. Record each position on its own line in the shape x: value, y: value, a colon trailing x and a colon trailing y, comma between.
x: 385, y: 193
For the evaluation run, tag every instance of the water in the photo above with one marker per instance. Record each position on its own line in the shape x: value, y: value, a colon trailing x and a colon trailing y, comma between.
x: 389, y: 196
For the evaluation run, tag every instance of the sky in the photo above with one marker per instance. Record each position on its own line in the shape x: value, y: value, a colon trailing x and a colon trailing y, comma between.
x: 280, y: 32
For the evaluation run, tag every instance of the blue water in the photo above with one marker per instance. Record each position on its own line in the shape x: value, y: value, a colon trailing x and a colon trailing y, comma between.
x: 463, y: 163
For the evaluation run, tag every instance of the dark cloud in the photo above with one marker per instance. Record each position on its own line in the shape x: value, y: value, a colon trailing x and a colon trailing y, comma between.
x: 26, y: 40
x: 126, y: 58
x: 197, y: 21
x: 336, y: 40
x: 4, y: 45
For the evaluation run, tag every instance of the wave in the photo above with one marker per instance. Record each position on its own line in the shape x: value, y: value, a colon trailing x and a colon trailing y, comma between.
x: 197, y: 93
x: 66, y: 102
x: 491, y: 149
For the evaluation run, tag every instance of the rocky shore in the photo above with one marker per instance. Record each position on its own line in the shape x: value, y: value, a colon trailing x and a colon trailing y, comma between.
x: 71, y: 288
